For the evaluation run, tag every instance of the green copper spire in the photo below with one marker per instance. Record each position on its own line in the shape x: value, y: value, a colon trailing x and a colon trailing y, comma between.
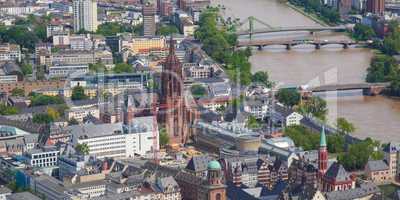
x: 322, y: 140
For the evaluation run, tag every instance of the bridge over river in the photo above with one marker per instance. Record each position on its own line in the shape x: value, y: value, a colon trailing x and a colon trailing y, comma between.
x: 291, y: 43
x: 250, y: 30
x: 368, y: 88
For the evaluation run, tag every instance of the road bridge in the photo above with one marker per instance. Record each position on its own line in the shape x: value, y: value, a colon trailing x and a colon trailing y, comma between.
x: 368, y: 88
x: 291, y: 43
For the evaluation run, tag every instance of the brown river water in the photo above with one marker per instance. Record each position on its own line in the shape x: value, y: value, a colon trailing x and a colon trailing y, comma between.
x: 377, y: 117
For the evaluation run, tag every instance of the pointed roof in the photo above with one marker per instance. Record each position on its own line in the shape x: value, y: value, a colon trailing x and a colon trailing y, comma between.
x: 337, y: 172
x: 198, y: 163
x: 322, y: 140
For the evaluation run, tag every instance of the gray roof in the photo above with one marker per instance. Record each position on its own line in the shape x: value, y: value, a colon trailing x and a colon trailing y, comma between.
x: 392, y: 148
x: 397, y: 195
x: 11, y: 68
x: 140, y: 125
x: 377, y: 165
x: 337, y: 172
x: 164, y: 183
x: 282, y: 110
x: 94, y: 130
x: 22, y: 196
x: 220, y: 88
x: 4, y: 190
x: 198, y: 163
x: 364, y: 190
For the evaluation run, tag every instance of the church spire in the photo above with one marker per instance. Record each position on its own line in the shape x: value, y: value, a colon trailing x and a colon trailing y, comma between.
x: 322, y: 154
x: 322, y: 140
x: 171, y: 45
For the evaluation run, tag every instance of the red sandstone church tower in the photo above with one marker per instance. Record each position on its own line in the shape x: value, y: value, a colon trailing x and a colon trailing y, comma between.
x: 172, y: 109
x: 322, y: 155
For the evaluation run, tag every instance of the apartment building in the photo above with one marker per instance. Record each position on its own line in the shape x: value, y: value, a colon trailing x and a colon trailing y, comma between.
x: 85, y: 15
x: 10, y: 52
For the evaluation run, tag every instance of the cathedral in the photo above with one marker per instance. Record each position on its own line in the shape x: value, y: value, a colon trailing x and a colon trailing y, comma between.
x: 175, y: 109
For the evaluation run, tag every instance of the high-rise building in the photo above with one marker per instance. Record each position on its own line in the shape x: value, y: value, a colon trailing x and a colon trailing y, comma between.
x: 166, y: 8
x: 85, y: 15
x: 149, y: 22
x: 376, y: 6
x: 344, y: 7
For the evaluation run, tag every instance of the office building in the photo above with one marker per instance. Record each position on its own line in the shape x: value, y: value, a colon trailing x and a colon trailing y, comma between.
x: 63, y: 71
x: 141, y: 45
x: 85, y: 15
x: 149, y: 23
x: 117, y: 140
x: 43, y: 157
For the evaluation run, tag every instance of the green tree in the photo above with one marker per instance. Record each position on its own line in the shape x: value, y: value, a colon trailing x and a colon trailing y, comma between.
x: 53, y: 113
x: 26, y: 68
x: 252, y: 123
x: 21, y: 35
x: 359, y: 153
x: 42, y: 118
x: 73, y: 121
x: 219, y: 44
x: 395, y: 83
x: 198, y: 91
x: 97, y: 67
x: 18, y: 92
x: 309, y: 140
x: 302, y: 137
x: 382, y: 66
x: 82, y: 149
x: 167, y: 30
x: 315, y: 106
x: 113, y: 28
x: 40, y: 100
x: 344, y: 126
x: 363, y: 32
x: 123, y: 68
x: 289, y: 97
x: 336, y: 143
x: 8, y: 110
x: 164, y: 138
x: 262, y: 78
x: 78, y: 93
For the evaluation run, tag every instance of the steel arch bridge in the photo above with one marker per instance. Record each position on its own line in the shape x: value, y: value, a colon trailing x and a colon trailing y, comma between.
x: 251, y: 30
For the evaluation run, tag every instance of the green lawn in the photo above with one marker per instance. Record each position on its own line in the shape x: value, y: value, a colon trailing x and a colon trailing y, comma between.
x: 388, y: 190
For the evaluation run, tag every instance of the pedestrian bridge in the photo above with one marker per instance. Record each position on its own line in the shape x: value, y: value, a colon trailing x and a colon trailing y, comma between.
x: 310, y: 29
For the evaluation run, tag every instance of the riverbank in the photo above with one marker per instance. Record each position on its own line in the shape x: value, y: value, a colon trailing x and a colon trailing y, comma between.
x: 311, y: 16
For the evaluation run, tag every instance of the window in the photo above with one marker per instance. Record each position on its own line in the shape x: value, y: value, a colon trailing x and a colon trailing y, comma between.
x: 218, y: 197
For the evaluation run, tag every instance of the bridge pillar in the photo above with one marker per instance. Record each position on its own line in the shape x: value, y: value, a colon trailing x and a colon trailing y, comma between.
x: 373, y: 90
x: 345, y: 46
x: 288, y: 46
x: 318, y: 46
x: 260, y: 48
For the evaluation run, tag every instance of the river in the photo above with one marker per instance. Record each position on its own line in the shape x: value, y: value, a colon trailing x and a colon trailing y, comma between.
x: 377, y: 117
